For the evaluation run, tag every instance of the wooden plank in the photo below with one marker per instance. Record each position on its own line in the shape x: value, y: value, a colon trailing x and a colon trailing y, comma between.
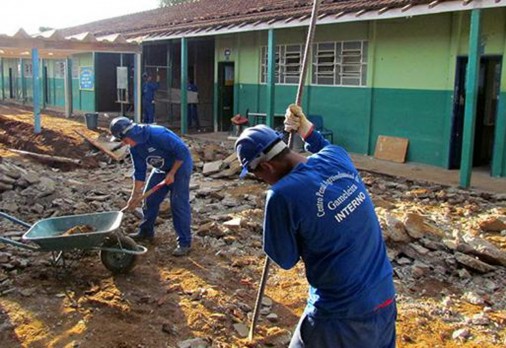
x: 99, y: 146
x: 47, y: 157
x: 391, y: 149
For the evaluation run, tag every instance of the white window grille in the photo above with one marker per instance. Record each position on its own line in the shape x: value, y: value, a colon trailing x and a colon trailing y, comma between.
x: 340, y: 63
x: 288, y: 64
x: 59, y: 69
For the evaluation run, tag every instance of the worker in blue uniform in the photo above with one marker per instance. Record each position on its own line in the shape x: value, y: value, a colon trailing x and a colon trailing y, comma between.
x: 193, y: 116
x: 318, y: 210
x: 149, y: 89
x: 171, y: 160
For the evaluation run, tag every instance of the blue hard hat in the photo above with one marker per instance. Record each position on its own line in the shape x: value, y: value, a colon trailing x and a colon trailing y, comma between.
x: 257, y: 144
x: 120, y: 126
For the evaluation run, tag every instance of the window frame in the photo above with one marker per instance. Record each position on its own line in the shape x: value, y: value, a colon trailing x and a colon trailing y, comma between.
x: 341, y: 70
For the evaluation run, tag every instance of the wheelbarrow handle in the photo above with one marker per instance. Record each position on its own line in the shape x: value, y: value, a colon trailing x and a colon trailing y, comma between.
x: 19, y: 244
x: 15, y: 220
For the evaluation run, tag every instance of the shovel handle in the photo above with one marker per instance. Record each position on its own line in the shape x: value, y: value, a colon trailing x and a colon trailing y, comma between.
x: 148, y: 193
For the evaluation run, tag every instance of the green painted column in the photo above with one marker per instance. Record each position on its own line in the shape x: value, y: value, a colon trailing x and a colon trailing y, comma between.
x: 36, y: 89
x: 68, y: 87
x: 2, y: 79
x: 184, y: 85
x: 95, y: 85
x: 169, y: 78
x: 472, y: 75
x: 498, y: 167
x: 271, y: 76
x: 215, y: 101
x: 237, y: 77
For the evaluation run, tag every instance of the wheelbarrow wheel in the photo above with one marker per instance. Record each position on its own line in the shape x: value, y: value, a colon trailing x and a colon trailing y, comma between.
x: 116, y: 261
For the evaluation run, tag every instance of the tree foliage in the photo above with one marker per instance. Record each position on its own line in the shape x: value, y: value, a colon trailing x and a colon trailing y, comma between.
x: 42, y: 29
x: 166, y: 3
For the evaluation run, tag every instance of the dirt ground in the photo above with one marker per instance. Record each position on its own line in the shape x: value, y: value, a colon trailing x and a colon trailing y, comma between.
x: 166, y: 300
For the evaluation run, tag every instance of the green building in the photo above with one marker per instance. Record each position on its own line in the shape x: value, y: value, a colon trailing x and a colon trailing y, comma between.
x: 431, y: 72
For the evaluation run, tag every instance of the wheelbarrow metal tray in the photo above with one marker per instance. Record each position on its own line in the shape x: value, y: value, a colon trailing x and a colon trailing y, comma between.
x: 48, y: 233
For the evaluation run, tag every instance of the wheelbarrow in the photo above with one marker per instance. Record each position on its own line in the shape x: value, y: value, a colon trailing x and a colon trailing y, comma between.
x: 118, y: 252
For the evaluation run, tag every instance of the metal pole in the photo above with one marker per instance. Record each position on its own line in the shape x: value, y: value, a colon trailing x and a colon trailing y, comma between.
x: 305, y: 59
x: 298, y: 98
x: 184, y: 85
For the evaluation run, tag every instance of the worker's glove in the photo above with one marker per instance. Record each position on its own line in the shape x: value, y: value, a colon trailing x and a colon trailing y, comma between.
x: 296, y: 121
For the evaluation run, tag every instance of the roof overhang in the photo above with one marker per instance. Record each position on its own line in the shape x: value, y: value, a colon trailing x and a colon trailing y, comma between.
x: 53, y: 46
x: 407, y: 11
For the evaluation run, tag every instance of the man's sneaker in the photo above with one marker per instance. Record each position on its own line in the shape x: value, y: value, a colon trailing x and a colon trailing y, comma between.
x: 181, y: 251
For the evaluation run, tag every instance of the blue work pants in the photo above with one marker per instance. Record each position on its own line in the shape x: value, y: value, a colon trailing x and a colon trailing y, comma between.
x: 179, y: 204
x: 376, y: 329
x: 148, y: 112
x: 193, y: 117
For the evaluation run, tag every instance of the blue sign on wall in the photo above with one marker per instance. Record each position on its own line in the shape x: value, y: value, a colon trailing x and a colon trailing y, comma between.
x: 86, y: 78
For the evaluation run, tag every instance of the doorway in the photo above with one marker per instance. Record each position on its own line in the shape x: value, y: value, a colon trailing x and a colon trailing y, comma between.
x: 11, y: 85
x: 45, y: 84
x: 225, y: 95
x: 486, y: 111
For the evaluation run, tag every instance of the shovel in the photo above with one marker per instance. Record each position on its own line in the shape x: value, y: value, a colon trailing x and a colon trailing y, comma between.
x: 149, y: 192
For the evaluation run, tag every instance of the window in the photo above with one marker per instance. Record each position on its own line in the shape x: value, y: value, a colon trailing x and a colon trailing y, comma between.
x: 340, y: 63
x: 288, y: 64
x: 59, y: 69
x: 28, y: 69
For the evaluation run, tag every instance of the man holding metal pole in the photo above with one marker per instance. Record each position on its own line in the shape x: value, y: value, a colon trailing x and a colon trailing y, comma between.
x: 318, y: 210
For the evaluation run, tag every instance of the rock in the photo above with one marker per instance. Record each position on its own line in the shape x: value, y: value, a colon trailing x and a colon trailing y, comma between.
x: 492, y: 224
x: 417, y: 227
x: 212, y: 167
x: 480, y: 319
x: 241, y: 329
x: 420, y: 269
x: 211, y: 229
x: 193, y: 343
x: 419, y: 249
x: 266, y: 301
x: 272, y: 317
x: 473, y: 298
x: 461, y: 334
x: 485, y: 250
x: 234, y: 224
x: 28, y: 179
x: 394, y: 230
x: 473, y: 263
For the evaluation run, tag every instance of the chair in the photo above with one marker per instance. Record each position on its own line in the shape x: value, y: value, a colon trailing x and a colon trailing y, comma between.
x: 317, y: 121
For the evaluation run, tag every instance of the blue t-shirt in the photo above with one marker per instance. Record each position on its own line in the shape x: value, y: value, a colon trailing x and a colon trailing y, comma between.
x: 159, y: 147
x: 321, y: 213
x: 148, y: 91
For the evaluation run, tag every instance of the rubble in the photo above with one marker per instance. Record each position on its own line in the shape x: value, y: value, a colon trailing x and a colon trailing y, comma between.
x: 444, y: 244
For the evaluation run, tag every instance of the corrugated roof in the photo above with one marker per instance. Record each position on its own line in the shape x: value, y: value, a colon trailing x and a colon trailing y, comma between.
x: 52, y: 44
x: 210, y: 15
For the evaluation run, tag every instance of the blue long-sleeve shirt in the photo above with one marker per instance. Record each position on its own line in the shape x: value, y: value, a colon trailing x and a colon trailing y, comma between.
x: 321, y: 213
x: 148, y: 91
x: 158, y: 147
